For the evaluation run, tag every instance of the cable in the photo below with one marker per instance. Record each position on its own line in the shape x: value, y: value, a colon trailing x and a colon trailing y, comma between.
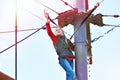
x: 22, y: 39
x: 67, y: 4
x: 34, y: 15
x: 32, y: 28
x: 111, y: 25
x: 21, y: 30
x: 95, y: 39
x: 115, y: 26
x: 115, y: 16
x: 46, y: 6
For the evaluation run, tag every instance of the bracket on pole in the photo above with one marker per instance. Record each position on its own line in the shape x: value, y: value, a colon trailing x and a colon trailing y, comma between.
x: 67, y: 17
x: 96, y: 20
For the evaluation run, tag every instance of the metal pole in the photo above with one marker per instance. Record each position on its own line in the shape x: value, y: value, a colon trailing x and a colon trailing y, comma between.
x: 80, y: 48
x: 16, y: 26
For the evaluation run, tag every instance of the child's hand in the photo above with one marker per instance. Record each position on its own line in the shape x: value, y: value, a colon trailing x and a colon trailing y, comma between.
x: 46, y: 15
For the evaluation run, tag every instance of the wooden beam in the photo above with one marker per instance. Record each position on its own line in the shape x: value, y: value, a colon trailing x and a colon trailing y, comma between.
x: 5, y: 77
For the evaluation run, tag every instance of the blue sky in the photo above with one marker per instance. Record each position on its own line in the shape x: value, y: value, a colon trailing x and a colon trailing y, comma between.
x: 37, y: 58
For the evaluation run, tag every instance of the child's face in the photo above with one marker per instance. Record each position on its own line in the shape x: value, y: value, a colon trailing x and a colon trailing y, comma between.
x: 58, y: 32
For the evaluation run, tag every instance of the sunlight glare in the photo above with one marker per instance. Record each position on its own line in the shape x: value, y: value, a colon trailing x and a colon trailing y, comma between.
x: 24, y: 4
